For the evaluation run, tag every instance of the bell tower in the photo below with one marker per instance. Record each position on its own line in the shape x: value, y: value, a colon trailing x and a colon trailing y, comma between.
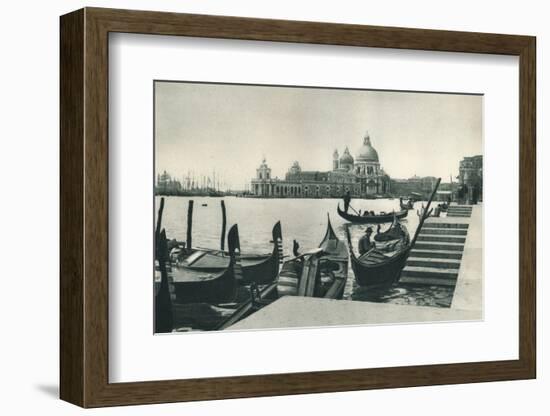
x: 335, y: 158
x: 264, y: 171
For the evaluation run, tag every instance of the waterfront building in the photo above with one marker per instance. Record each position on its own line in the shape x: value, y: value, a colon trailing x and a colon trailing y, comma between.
x: 471, y: 178
x: 414, y: 185
x: 362, y: 176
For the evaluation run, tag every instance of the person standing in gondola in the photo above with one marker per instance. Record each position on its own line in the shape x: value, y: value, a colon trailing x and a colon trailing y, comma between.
x: 365, y: 244
x: 347, y: 200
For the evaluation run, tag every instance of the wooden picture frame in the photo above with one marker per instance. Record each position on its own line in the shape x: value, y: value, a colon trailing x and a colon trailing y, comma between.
x: 84, y: 207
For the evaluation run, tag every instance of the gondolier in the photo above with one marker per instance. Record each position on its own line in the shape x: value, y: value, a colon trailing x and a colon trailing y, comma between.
x: 364, y: 242
x: 347, y: 200
x: 378, y: 267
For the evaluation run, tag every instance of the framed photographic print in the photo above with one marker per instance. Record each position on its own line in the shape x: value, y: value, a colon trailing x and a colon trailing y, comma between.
x: 256, y: 207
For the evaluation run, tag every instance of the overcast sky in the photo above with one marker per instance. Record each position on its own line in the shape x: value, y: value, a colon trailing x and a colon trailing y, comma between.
x: 229, y: 128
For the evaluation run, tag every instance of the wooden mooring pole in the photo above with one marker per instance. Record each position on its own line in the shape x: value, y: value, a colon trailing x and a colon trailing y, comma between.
x: 224, y: 223
x: 189, y: 225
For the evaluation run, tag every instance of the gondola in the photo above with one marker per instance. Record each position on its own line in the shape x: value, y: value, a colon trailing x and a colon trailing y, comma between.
x: 394, y: 232
x: 377, y: 267
x: 190, y: 286
x: 372, y: 219
x: 164, y: 315
x: 199, y: 286
x: 380, y: 268
x: 258, y: 268
x: 319, y: 273
x: 322, y: 272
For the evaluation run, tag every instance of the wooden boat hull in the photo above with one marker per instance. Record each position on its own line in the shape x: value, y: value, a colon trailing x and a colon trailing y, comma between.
x: 261, y: 272
x: 322, y: 273
x: 376, y: 268
x: 256, y: 268
x: 197, y: 286
x: 191, y: 286
x: 371, y: 219
x: 304, y: 275
x: 382, y: 274
x: 394, y: 232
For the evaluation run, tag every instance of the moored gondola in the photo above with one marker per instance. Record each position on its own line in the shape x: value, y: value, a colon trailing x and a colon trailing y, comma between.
x: 258, y: 268
x: 371, y: 219
x: 377, y: 267
x: 394, y: 232
x: 320, y: 273
x: 383, y: 268
x: 198, y: 286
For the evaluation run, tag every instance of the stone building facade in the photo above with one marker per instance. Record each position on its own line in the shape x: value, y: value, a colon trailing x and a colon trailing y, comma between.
x: 362, y: 176
x: 471, y: 177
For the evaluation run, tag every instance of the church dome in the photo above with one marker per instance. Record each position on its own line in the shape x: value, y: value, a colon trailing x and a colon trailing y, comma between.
x: 366, y: 152
x: 295, y: 168
x: 346, y: 158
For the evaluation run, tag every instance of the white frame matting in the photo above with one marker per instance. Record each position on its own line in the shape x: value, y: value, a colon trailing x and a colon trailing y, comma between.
x: 135, y: 354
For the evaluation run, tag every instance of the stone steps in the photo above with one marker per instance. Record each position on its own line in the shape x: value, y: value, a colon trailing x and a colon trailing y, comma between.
x: 428, y: 276
x: 437, y: 254
x: 439, y: 246
x: 443, y: 231
x: 459, y: 211
x: 433, y: 262
x: 428, y: 225
x: 427, y: 281
x: 441, y: 239
x: 440, y: 254
x: 415, y: 271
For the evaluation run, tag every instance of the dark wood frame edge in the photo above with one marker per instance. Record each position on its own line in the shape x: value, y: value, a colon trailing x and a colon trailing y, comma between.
x: 84, y: 207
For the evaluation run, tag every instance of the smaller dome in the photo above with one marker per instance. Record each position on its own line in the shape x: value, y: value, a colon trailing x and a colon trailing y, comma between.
x: 346, y: 158
x: 295, y: 168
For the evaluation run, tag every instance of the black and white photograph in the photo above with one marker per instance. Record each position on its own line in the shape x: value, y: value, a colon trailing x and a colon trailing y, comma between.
x: 296, y: 207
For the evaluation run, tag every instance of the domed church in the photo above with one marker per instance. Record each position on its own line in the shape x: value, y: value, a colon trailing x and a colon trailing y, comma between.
x: 362, y: 176
x: 365, y: 168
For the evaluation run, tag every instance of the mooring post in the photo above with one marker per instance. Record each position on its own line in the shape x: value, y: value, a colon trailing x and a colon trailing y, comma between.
x: 164, y: 318
x: 224, y: 222
x: 157, y: 228
x: 189, y: 225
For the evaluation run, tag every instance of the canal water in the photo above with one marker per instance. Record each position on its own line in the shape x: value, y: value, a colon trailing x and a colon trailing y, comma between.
x: 304, y: 220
